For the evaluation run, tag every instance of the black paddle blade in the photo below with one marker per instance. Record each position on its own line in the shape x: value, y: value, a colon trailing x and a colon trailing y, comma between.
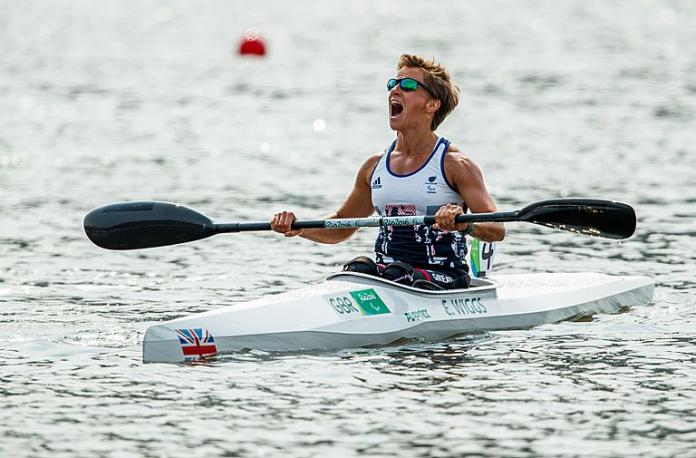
x: 600, y: 218
x: 133, y: 225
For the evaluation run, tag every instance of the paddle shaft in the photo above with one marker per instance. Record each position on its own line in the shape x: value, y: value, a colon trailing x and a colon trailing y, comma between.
x: 148, y: 224
x: 353, y: 223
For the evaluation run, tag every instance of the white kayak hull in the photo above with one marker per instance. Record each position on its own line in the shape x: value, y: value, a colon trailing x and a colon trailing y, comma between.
x: 352, y: 310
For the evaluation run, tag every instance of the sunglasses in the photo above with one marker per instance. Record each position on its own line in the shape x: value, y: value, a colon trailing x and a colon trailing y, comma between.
x: 408, y: 85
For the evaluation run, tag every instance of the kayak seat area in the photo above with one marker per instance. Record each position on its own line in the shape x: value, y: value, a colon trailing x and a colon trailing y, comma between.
x: 365, y: 279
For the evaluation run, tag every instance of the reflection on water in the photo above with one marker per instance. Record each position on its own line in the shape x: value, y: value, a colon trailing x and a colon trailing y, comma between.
x: 147, y: 101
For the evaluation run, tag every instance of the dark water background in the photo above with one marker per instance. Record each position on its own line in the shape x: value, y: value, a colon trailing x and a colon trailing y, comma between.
x: 120, y: 100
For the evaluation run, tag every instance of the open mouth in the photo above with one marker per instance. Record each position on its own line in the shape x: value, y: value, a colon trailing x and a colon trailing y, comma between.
x: 395, y: 108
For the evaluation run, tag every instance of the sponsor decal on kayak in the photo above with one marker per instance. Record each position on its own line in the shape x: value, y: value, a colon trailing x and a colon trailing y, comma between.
x: 464, y: 306
x: 417, y: 315
x: 344, y: 306
x: 369, y: 302
x: 365, y: 302
x: 196, y: 343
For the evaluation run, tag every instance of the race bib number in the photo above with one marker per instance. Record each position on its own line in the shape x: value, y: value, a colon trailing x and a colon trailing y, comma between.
x: 481, y: 257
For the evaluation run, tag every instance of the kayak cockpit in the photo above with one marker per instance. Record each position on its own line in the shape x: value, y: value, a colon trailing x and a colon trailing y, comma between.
x: 477, y: 284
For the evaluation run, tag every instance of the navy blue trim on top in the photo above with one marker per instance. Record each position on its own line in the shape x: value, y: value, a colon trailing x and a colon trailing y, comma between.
x: 442, y: 168
x: 437, y: 145
x: 391, y: 148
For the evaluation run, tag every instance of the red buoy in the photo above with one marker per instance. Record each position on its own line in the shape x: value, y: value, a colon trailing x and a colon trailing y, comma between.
x: 252, y: 44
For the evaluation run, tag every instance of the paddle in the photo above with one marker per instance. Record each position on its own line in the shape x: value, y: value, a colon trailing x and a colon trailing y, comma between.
x: 133, y: 225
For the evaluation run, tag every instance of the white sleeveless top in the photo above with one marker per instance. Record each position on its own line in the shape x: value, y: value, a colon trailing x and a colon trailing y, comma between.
x: 421, y: 192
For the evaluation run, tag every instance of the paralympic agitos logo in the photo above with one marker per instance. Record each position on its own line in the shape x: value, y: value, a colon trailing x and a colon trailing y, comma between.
x: 431, y: 185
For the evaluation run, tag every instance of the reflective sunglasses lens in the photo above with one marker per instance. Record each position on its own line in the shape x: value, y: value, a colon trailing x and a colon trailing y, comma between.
x: 408, y: 84
x: 391, y: 84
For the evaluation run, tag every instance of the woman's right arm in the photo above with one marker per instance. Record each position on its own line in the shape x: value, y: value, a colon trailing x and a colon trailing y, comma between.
x: 358, y: 204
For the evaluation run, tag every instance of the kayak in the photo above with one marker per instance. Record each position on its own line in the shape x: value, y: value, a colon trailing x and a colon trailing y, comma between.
x: 352, y: 310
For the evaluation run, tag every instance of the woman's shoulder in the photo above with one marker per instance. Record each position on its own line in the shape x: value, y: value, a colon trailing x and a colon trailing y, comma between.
x: 457, y: 162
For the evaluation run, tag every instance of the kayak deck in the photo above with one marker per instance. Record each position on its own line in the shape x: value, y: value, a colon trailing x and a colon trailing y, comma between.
x: 352, y: 310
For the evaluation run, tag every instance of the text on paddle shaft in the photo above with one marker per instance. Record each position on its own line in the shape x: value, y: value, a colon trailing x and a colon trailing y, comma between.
x: 349, y: 223
x: 467, y: 306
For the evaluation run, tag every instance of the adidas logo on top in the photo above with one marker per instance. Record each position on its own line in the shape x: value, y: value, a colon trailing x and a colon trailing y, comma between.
x: 377, y: 183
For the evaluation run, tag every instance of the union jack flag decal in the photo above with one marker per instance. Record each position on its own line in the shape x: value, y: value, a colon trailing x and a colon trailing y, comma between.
x: 196, y: 343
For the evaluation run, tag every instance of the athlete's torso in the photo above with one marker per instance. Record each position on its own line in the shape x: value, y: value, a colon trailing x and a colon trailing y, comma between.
x: 421, y: 192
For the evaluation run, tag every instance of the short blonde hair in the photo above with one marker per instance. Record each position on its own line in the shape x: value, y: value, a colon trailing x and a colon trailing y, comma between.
x: 438, y: 78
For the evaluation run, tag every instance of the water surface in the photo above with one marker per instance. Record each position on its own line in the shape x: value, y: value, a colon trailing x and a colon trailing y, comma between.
x: 147, y: 100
